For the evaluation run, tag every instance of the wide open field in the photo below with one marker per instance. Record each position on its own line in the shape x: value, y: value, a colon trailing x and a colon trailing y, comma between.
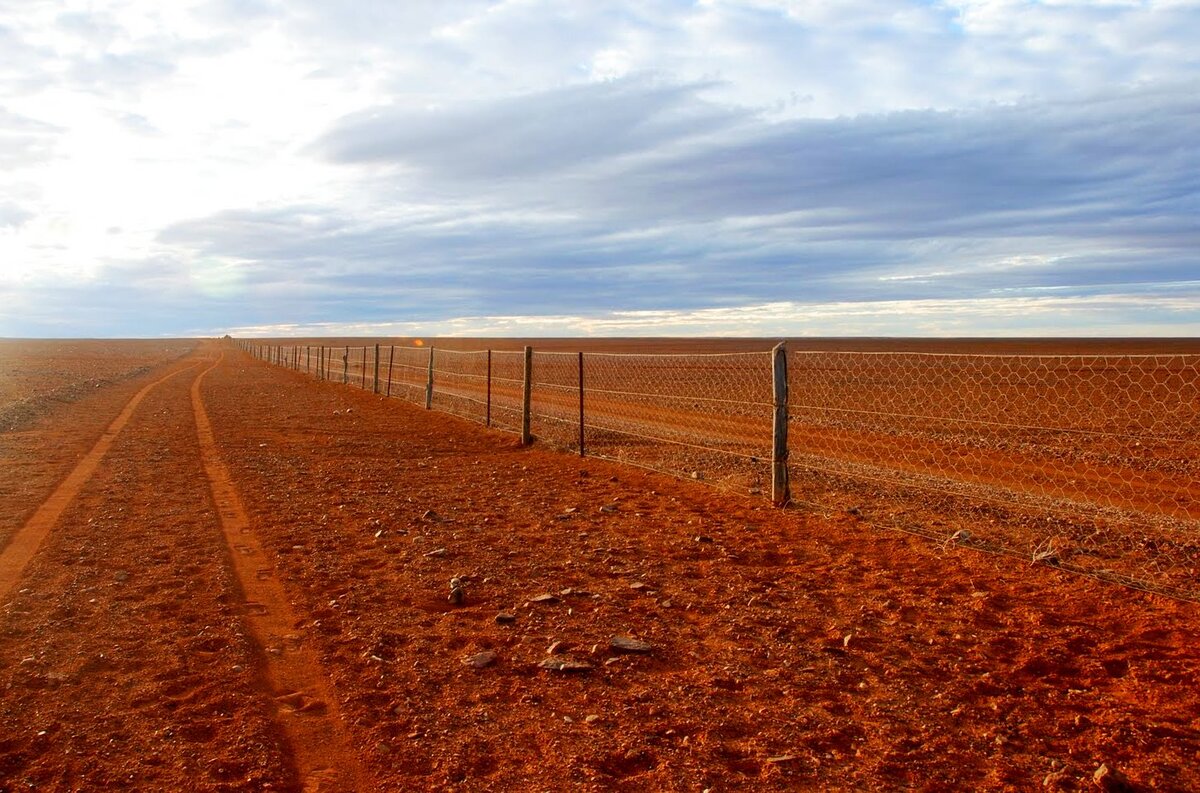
x: 243, y: 583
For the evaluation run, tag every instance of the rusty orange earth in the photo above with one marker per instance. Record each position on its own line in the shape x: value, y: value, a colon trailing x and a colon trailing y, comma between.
x: 787, y: 649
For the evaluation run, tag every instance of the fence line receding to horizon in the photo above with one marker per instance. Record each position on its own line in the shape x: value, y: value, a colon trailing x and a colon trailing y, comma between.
x: 1087, y: 462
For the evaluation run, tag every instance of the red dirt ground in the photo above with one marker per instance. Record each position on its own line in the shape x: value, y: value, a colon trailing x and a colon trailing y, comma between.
x: 789, y: 650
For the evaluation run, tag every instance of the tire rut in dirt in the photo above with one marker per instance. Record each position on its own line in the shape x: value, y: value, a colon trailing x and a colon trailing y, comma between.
x: 123, y: 658
x: 302, y: 695
x: 24, y: 543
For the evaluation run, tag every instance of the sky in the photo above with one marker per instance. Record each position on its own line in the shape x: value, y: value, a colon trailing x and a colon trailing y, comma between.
x: 530, y: 168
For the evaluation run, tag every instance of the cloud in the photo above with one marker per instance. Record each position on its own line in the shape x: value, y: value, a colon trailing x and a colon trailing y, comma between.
x: 1101, y: 315
x: 529, y: 135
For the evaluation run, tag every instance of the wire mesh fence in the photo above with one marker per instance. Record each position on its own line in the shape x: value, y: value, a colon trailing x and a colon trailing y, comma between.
x: 1087, y: 462
x: 706, y: 417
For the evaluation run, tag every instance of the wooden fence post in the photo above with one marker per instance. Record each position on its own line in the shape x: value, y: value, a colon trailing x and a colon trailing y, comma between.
x: 364, y: 367
x: 391, y: 357
x: 581, y: 452
x: 780, y: 494
x: 526, y: 397
x: 375, y: 379
x: 429, y: 382
x: 346, y: 366
x: 487, y: 422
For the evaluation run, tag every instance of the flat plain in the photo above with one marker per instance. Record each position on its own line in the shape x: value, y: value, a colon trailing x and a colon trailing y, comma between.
x: 250, y: 590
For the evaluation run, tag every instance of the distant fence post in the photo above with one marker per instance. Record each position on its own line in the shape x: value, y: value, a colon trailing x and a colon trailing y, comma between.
x: 375, y: 379
x: 780, y: 495
x: 581, y: 452
x: 391, y: 357
x: 346, y: 366
x: 488, y: 415
x: 364, y: 368
x: 526, y: 394
x: 429, y: 382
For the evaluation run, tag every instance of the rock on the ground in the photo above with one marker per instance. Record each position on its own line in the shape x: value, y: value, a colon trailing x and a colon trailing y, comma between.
x: 628, y: 644
x: 1110, y: 780
x: 563, y: 664
x: 480, y: 660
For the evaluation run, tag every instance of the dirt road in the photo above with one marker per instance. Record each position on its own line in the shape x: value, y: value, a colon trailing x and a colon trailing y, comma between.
x: 243, y: 585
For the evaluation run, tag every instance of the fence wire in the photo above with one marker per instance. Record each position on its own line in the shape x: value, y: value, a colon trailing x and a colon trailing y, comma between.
x: 1089, y: 463
x: 704, y: 417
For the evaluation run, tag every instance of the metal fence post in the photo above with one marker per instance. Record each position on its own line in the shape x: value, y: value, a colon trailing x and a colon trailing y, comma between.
x: 780, y: 495
x: 488, y: 416
x: 429, y: 383
x: 581, y: 451
x: 391, y: 357
x: 526, y: 394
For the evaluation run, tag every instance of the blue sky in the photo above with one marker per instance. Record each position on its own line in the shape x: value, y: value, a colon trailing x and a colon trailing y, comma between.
x: 969, y: 167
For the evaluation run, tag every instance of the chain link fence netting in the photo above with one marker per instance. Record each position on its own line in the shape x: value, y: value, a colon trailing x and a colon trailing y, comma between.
x: 1087, y: 462
x: 705, y: 417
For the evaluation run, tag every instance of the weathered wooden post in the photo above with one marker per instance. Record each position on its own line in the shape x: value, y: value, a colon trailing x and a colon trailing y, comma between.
x: 375, y: 379
x: 488, y: 415
x: 429, y: 383
x: 363, y: 385
x: 391, y: 357
x: 526, y: 397
x: 780, y: 494
x: 581, y: 452
x: 346, y: 366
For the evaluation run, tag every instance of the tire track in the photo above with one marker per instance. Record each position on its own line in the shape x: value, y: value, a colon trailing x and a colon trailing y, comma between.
x: 26, y: 541
x: 301, y: 697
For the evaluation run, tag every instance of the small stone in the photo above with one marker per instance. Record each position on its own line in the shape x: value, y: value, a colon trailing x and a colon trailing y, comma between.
x: 480, y: 660
x: 638, y: 585
x: 782, y: 758
x: 504, y: 618
x: 436, y: 552
x: 846, y: 639
x: 429, y: 514
x: 1056, y: 780
x: 1111, y: 780
x: 591, y: 718
x: 546, y: 598
x: 628, y: 644
x: 564, y: 665
x: 608, y: 508
x: 557, y: 647
x: 703, y: 538
x: 121, y: 575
